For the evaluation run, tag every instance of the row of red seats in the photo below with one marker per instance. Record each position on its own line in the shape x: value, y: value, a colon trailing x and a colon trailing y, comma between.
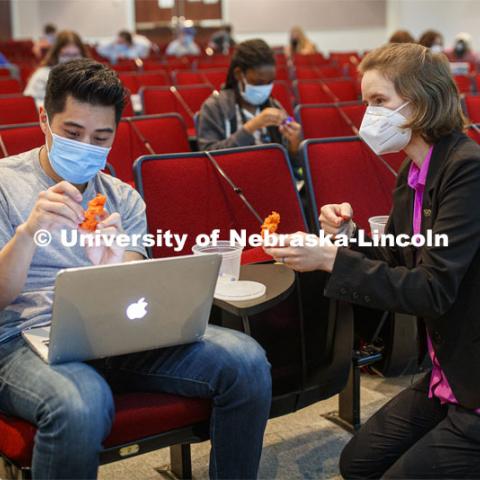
x: 188, y: 99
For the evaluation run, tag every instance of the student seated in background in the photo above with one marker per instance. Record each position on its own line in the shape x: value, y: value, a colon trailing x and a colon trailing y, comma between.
x: 244, y: 112
x: 431, y: 429
x: 125, y: 46
x: 43, y: 44
x: 183, y: 44
x: 401, y: 36
x: 432, y: 40
x: 68, y: 46
x: 299, y: 43
x: 71, y: 404
x: 462, y: 50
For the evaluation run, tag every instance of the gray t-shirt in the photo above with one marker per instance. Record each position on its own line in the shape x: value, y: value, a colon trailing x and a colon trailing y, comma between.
x: 21, y: 180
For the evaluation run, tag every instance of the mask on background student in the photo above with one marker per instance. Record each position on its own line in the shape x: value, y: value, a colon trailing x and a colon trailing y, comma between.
x: 256, y: 94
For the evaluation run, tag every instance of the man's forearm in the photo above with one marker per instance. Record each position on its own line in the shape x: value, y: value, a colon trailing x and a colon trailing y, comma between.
x: 15, y: 259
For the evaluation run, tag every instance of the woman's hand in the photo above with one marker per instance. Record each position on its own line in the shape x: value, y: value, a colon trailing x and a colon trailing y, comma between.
x: 292, y: 131
x: 337, y: 218
x: 304, y: 258
x: 104, y: 254
x: 268, y: 117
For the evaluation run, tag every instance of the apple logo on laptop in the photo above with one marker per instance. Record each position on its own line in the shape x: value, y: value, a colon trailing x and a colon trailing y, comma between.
x: 137, y: 309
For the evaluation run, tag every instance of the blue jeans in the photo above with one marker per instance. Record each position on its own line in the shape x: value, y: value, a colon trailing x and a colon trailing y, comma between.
x: 71, y: 404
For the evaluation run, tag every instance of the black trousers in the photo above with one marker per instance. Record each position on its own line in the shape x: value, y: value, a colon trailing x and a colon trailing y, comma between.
x: 413, y: 437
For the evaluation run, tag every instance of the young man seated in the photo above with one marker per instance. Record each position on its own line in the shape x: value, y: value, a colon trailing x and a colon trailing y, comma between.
x: 71, y: 404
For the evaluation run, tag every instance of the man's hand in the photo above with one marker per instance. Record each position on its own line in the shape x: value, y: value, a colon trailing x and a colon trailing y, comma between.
x: 104, y: 254
x: 336, y: 219
x: 56, y: 208
x: 304, y: 258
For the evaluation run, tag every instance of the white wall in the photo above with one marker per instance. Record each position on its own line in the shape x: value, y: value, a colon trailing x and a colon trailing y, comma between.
x: 92, y: 19
x: 96, y: 19
x: 449, y: 17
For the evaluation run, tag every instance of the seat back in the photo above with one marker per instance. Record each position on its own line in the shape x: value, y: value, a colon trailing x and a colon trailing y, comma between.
x: 215, y: 76
x: 322, y: 121
x: 345, y: 170
x: 165, y: 133
x: 126, y: 147
x: 164, y: 100
x: 472, y: 107
x: 9, y: 86
x: 15, y: 139
x: 281, y: 92
x: 17, y: 109
x: 464, y: 83
x: 185, y: 194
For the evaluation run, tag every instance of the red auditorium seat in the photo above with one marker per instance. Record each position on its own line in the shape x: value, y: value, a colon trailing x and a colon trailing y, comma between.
x: 474, y: 133
x: 164, y: 133
x: 216, y: 76
x: 318, y: 72
x: 345, y: 170
x: 188, y: 77
x: 326, y: 120
x: 17, y: 109
x: 322, y: 121
x: 185, y: 100
x: 472, y: 106
x: 163, y: 181
x: 125, y: 66
x: 134, y: 81
x: 20, y: 138
x: 140, y: 418
x: 464, y: 83
x: 281, y: 92
x: 311, y: 60
x: 5, y: 72
x: 126, y: 147
x: 10, y: 86
x: 327, y: 91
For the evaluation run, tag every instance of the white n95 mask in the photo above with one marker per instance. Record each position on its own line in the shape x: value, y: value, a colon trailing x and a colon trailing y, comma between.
x: 382, y: 129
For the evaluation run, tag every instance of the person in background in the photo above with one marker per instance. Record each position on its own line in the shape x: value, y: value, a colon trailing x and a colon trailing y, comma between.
x: 462, y: 50
x: 184, y: 43
x: 68, y: 46
x: 125, y: 46
x: 299, y: 43
x: 43, y: 44
x: 432, y: 428
x: 401, y: 36
x: 221, y: 41
x: 432, y: 40
x: 244, y: 112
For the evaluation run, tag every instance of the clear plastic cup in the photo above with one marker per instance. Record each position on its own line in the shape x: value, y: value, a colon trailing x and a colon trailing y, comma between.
x: 231, y: 255
x: 377, y: 224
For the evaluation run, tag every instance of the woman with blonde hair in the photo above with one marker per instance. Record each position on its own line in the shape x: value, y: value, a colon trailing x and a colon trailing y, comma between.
x: 299, y: 43
x: 68, y: 46
x: 431, y: 429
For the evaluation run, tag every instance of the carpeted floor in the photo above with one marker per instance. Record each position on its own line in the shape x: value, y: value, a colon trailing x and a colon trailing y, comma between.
x: 302, y: 445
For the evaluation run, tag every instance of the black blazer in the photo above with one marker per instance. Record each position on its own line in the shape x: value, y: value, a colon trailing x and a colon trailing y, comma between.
x: 442, y: 287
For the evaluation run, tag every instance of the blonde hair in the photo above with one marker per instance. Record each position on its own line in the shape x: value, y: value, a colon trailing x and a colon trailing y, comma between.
x: 424, y: 79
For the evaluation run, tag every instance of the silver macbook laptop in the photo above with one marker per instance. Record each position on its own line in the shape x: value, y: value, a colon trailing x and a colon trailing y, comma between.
x: 109, y: 310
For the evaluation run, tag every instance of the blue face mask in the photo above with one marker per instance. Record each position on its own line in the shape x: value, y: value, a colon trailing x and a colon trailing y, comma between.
x: 74, y: 161
x: 256, y: 94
